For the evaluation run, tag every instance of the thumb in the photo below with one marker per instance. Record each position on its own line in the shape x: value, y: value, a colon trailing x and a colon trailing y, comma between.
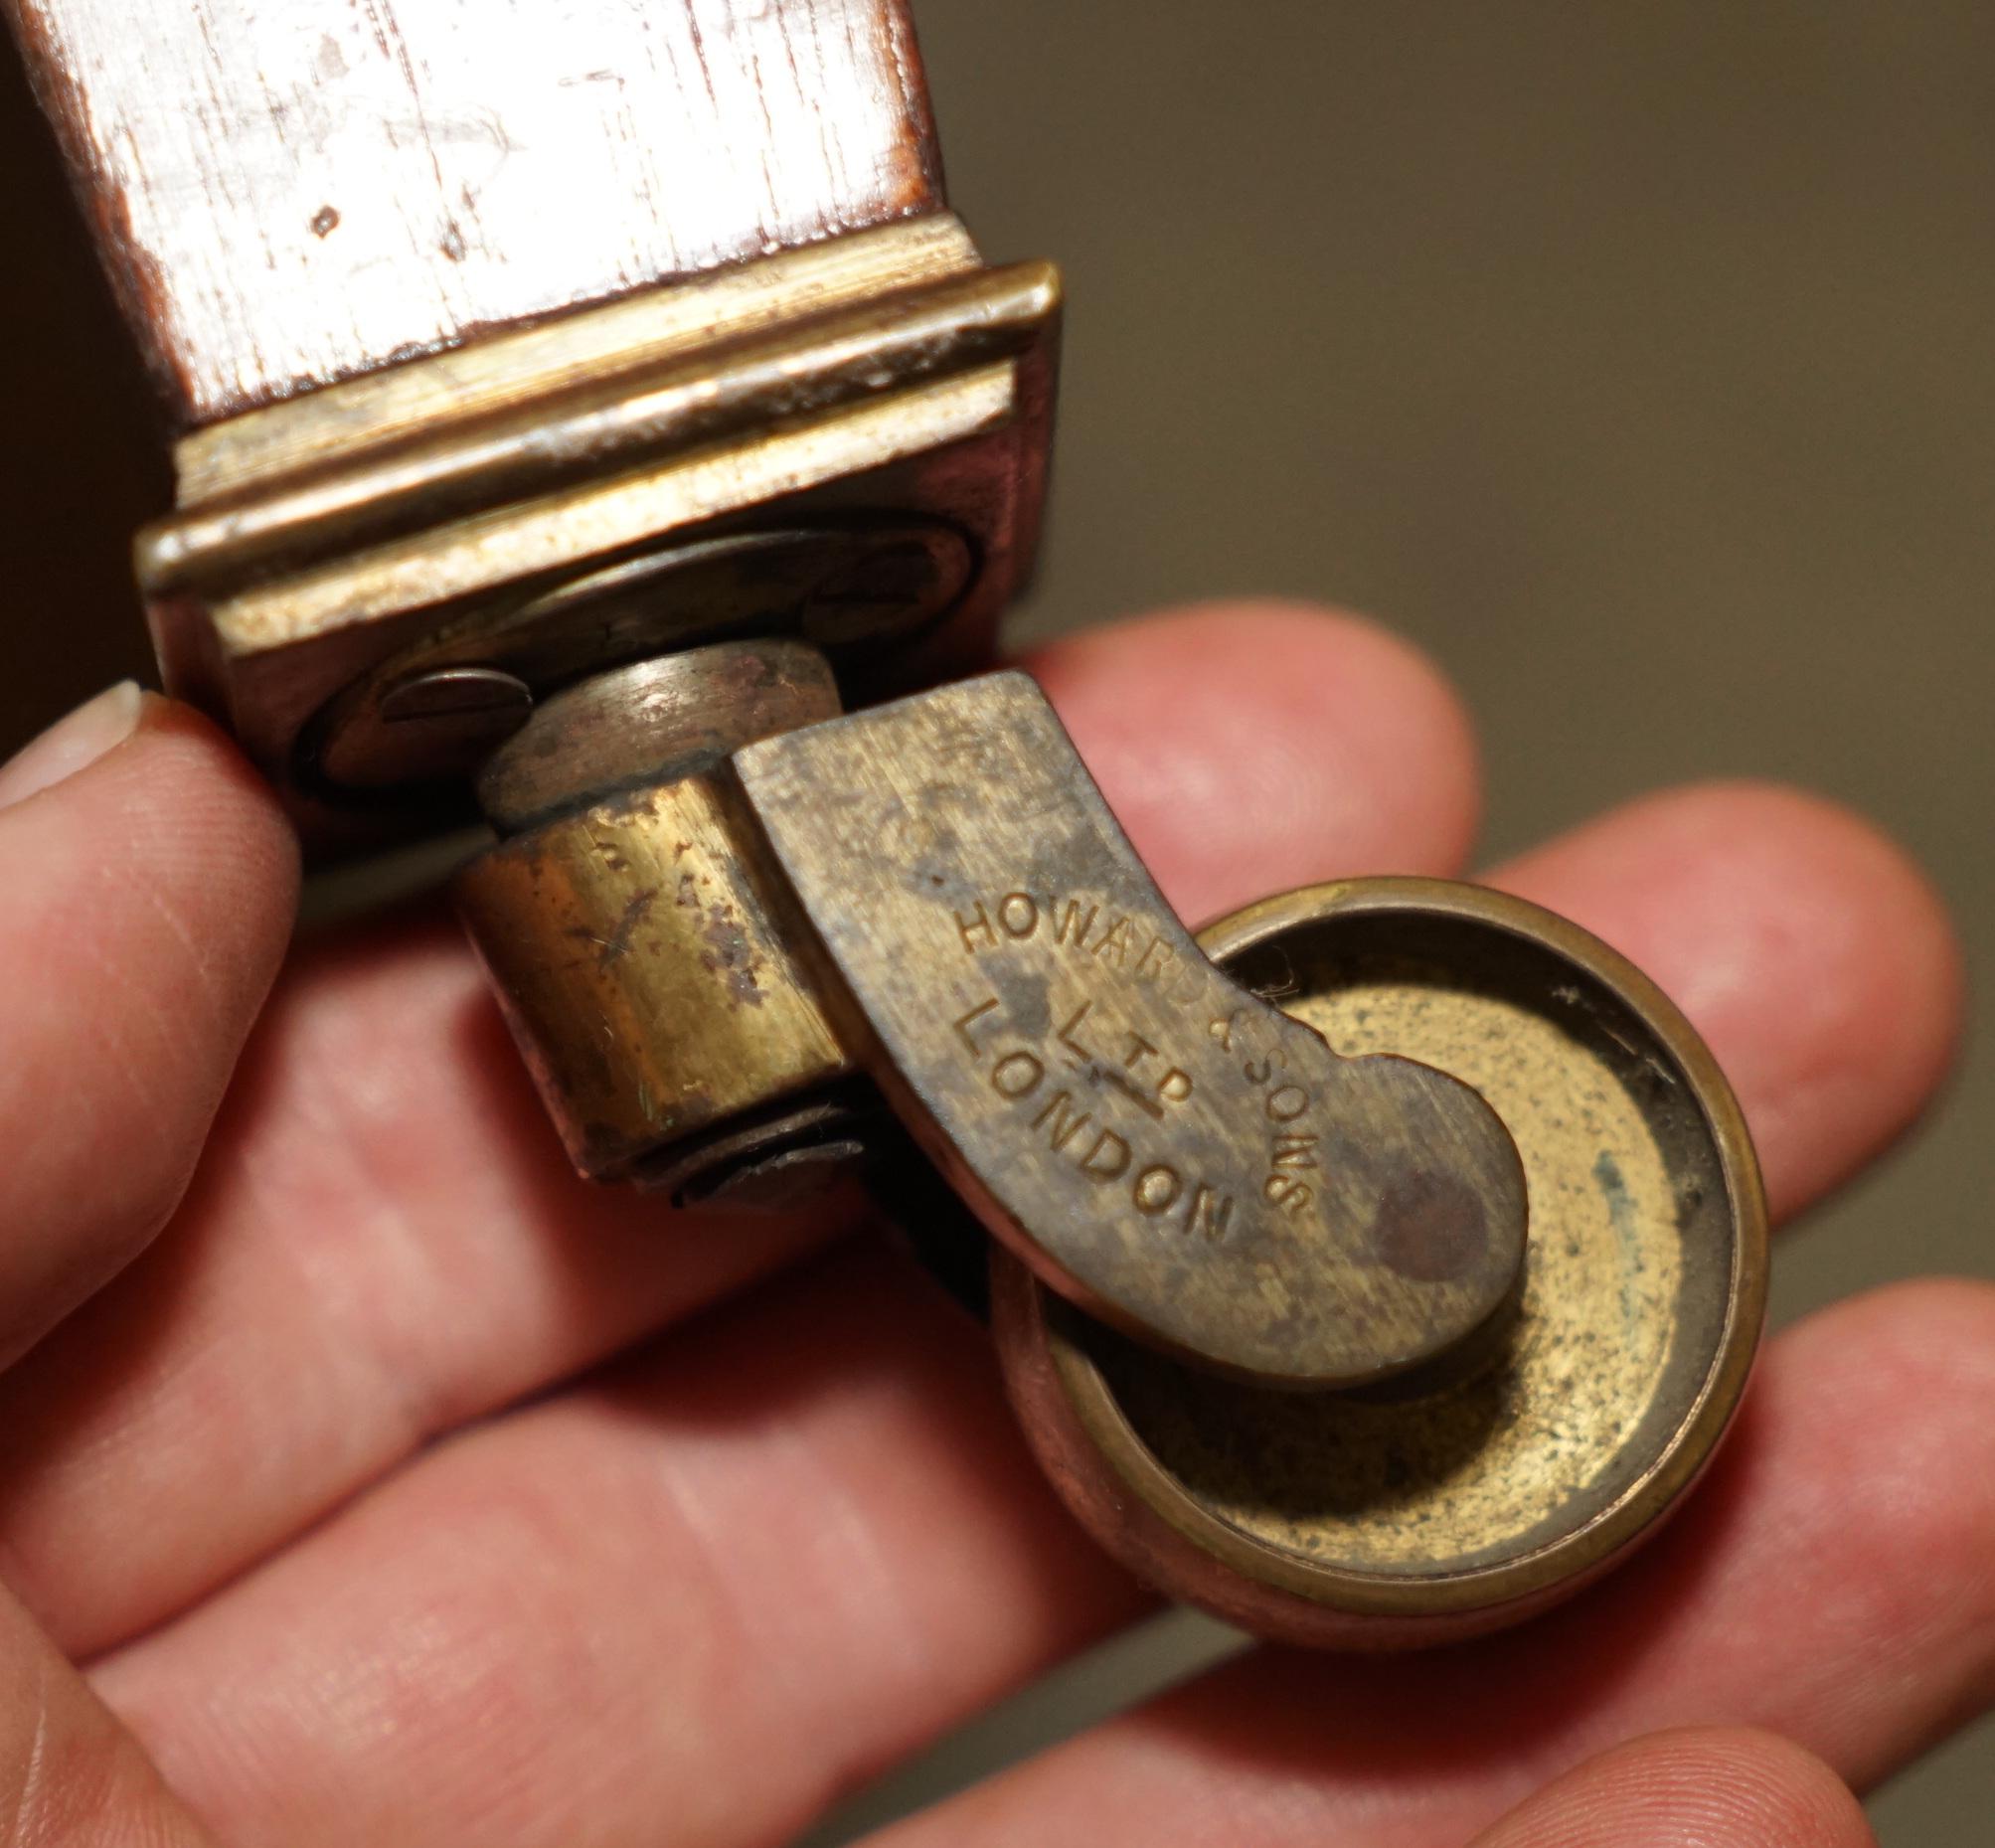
x: 147, y: 884
x: 70, y: 1775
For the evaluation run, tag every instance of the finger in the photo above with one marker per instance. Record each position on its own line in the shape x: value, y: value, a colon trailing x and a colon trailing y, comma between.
x: 789, y: 1540
x: 968, y: 1585
x: 1829, y: 1583
x: 146, y: 890
x: 69, y: 1772
x: 1714, y: 1787
x: 1249, y: 746
x: 1824, y: 973
x: 919, y: 1643
x: 387, y: 1239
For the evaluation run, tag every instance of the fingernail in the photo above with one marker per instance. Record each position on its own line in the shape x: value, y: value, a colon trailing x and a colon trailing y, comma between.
x: 72, y: 743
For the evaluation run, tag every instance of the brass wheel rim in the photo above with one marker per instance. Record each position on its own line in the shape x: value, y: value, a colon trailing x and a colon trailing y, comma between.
x: 1097, y: 1416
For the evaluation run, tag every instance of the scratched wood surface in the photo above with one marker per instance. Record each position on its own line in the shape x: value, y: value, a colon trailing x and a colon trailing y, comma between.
x: 290, y: 194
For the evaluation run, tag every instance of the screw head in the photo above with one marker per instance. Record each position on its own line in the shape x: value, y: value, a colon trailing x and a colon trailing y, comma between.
x: 430, y: 726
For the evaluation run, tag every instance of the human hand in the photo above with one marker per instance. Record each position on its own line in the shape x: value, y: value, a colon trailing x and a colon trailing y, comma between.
x: 403, y: 1489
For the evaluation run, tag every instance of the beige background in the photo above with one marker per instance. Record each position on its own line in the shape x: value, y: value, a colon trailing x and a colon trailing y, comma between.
x: 1634, y: 360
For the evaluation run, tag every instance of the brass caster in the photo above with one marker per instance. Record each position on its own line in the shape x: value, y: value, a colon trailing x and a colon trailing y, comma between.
x: 1474, y: 1493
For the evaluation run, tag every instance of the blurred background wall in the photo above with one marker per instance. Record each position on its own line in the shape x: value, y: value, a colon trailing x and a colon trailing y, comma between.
x: 1633, y: 360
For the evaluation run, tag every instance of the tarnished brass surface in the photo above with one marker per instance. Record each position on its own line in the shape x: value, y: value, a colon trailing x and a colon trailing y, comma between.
x: 652, y: 721
x: 884, y: 383
x: 618, y: 418
x: 645, y: 968
x: 640, y: 944
x: 1164, y: 1146
x: 854, y: 585
x: 1453, y: 1503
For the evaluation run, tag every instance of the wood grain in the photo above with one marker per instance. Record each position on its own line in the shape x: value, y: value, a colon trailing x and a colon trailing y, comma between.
x: 287, y: 195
